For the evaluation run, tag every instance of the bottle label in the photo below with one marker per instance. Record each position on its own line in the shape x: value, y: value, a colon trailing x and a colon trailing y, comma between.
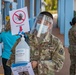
x: 22, y: 55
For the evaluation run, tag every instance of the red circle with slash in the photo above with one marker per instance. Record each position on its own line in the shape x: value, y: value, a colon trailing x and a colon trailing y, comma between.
x: 16, y: 16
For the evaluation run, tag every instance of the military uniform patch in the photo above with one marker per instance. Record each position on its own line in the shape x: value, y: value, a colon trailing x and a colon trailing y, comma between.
x: 61, y: 51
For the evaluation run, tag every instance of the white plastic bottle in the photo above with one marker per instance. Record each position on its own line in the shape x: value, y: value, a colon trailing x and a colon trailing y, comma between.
x: 22, y: 52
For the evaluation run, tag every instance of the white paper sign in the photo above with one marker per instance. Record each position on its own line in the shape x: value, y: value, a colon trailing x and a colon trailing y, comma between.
x: 19, y: 18
x: 23, y: 70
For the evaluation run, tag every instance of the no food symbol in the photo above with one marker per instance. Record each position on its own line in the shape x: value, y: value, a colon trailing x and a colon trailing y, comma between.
x: 19, y: 17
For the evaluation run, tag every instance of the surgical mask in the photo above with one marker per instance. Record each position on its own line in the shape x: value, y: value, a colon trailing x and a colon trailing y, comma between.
x: 38, y: 26
x: 44, y: 28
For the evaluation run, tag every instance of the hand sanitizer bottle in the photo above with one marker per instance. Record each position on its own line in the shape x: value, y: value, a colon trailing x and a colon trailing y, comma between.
x: 22, y: 52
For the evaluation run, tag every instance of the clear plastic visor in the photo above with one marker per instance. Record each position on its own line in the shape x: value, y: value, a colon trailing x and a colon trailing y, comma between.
x: 42, y: 24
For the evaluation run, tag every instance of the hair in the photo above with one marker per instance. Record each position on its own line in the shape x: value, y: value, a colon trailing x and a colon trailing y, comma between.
x: 47, y: 13
x: 7, y: 26
x: 73, y: 21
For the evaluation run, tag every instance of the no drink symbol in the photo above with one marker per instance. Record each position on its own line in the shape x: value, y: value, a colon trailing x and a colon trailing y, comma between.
x: 19, y: 17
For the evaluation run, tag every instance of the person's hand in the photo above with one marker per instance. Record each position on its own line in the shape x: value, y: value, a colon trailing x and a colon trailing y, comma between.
x: 34, y: 64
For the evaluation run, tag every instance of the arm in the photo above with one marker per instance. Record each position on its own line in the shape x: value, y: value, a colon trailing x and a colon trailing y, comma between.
x: 74, y: 33
x: 59, y: 55
x: 12, y: 57
x: 56, y: 63
x: 72, y: 36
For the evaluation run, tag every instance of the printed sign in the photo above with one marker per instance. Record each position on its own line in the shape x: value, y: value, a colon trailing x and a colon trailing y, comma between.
x: 19, y: 18
x: 23, y: 70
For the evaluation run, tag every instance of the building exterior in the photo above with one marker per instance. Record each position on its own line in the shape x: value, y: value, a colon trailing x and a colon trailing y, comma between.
x: 65, y: 12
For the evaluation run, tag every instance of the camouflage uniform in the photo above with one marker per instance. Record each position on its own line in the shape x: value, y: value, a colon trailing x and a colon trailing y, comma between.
x: 72, y: 49
x: 49, y: 54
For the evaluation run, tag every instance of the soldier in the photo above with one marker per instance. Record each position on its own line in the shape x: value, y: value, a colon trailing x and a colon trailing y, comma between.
x: 72, y: 46
x: 47, y: 52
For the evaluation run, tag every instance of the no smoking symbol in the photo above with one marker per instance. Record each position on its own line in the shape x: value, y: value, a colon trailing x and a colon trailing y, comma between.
x: 19, y: 17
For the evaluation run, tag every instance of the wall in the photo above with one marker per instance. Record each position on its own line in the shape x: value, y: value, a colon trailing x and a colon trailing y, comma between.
x: 75, y: 5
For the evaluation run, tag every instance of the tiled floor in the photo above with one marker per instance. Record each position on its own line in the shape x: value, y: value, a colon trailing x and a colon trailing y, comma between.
x: 65, y: 69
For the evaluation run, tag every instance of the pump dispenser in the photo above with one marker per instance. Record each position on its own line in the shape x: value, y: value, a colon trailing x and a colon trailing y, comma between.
x: 22, y: 52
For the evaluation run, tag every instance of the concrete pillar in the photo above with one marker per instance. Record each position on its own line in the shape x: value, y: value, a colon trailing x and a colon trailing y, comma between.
x: 6, y: 11
x: 14, y: 5
x: 62, y: 17
x: 0, y: 16
x: 21, y: 3
x: 0, y: 4
x: 59, y: 12
x: 69, y: 12
x: 31, y: 13
x: 38, y: 6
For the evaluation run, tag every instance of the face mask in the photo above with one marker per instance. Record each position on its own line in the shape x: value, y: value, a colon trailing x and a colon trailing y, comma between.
x: 38, y: 26
x: 44, y: 28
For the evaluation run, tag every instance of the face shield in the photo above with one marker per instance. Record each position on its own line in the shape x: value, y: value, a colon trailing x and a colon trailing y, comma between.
x: 43, y: 25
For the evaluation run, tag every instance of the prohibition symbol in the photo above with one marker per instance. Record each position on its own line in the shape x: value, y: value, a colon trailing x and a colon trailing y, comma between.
x: 19, y: 17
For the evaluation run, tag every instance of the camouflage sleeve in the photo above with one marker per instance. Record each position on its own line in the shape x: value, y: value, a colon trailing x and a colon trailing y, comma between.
x: 50, y: 66
x: 74, y: 33
x: 59, y: 55
x: 46, y: 67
